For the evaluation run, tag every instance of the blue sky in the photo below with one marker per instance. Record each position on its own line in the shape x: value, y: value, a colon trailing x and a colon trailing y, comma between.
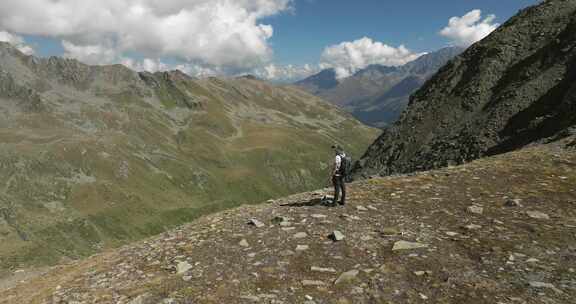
x: 300, y: 37
x: 271, y: 38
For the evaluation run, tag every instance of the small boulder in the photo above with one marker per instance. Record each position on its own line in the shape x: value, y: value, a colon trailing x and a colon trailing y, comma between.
x: 256, y: 223
x: 183, y: 267
x: 513, y: 203
x: 322, y: 269
x: 472, y: 227
x: 302, y: 247
x: 404, y: 245
x: 538, y: 215
x: 337, y: 236
x: 312, y: 283
x: 300, y: 235
x: 244, y: 243
x: 475, y: 209
x: 347, y: 277
x: 279, y: 219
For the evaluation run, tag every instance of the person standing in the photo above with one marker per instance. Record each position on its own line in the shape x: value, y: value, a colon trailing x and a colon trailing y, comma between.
x: 338, y: 175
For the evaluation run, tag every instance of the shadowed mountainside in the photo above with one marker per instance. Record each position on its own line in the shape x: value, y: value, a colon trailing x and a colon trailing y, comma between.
x: 513, y: 88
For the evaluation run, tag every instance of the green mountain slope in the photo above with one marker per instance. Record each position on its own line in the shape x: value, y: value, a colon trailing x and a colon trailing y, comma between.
x: 95, y: 156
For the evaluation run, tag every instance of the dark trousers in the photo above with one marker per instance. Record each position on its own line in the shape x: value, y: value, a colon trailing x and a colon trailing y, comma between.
x: 339, y: 185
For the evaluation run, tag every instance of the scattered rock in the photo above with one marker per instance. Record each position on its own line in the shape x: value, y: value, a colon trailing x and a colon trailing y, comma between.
x: 450, y: 233
x: 244, y: 243
x: 321, y: 269
x: 300, y: 235
x: 256, y: 223
x: 347, y: 276
x: 472, y: 227
x: 337, y: 236
x: 361, y: 208
x: 250, y: 298
x: 183, y: 267
x: 302, y: 247
x: 538, y: 215
x: 475, y: 209
x: 404, y: 245
x: 318, y: 216
x: 513, y: 203
x: 279, y: 220
x: 308, y: 283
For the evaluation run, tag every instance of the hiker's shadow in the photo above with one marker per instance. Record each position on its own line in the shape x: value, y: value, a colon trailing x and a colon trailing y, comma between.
x: 318, y: 201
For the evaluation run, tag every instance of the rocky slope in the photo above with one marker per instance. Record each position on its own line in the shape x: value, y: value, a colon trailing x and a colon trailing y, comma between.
x: 496, y: 230
x: 96, y: 156
x: 515, y: 87
x: 377, y: 94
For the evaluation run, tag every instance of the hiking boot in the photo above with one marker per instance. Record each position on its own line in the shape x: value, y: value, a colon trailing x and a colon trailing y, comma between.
x: 341, y: 203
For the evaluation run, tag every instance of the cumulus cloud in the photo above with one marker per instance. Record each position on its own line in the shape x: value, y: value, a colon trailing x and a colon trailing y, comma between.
x: 286, y: 73
x: 470, y: 28
x: 212, y: 32
x: 348, y: 57
x: 147, y: 64
x: 91, y: 54
x: 16, y: 41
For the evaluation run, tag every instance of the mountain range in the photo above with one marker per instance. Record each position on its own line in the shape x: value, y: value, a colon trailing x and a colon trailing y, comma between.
x: 514, y: 88
x: 467, y: 198
x: 95, y: 156
x: 377, y: 94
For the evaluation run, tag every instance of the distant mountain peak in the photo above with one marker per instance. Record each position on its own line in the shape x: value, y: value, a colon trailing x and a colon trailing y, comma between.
x: 365, y: 93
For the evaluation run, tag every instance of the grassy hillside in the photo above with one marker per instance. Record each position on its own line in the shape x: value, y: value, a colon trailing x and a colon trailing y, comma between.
x: 496, y: 230
x: 93, y: 157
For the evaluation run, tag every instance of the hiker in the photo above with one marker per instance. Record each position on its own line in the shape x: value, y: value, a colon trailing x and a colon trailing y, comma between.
x: 338, y: 174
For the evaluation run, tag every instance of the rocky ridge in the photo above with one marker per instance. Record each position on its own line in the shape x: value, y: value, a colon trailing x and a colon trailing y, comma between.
x: 496, y: 230
x: 515, y: 87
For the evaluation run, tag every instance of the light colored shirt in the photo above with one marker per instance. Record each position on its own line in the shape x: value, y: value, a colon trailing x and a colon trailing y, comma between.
x: 338, y: 163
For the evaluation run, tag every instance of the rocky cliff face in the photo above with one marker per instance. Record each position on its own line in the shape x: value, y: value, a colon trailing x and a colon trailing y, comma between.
x: 515, y: 87
x: 95, y: 156
x: 376, y: 95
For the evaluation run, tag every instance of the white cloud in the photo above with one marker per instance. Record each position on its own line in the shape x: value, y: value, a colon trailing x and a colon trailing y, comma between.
x: 16, y: 41
x: 286, y: 73
x: 226, y: 33
x: 349, y: 57
x: 146, y: 64
x: 91, y: 54
x: 470, y: 28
